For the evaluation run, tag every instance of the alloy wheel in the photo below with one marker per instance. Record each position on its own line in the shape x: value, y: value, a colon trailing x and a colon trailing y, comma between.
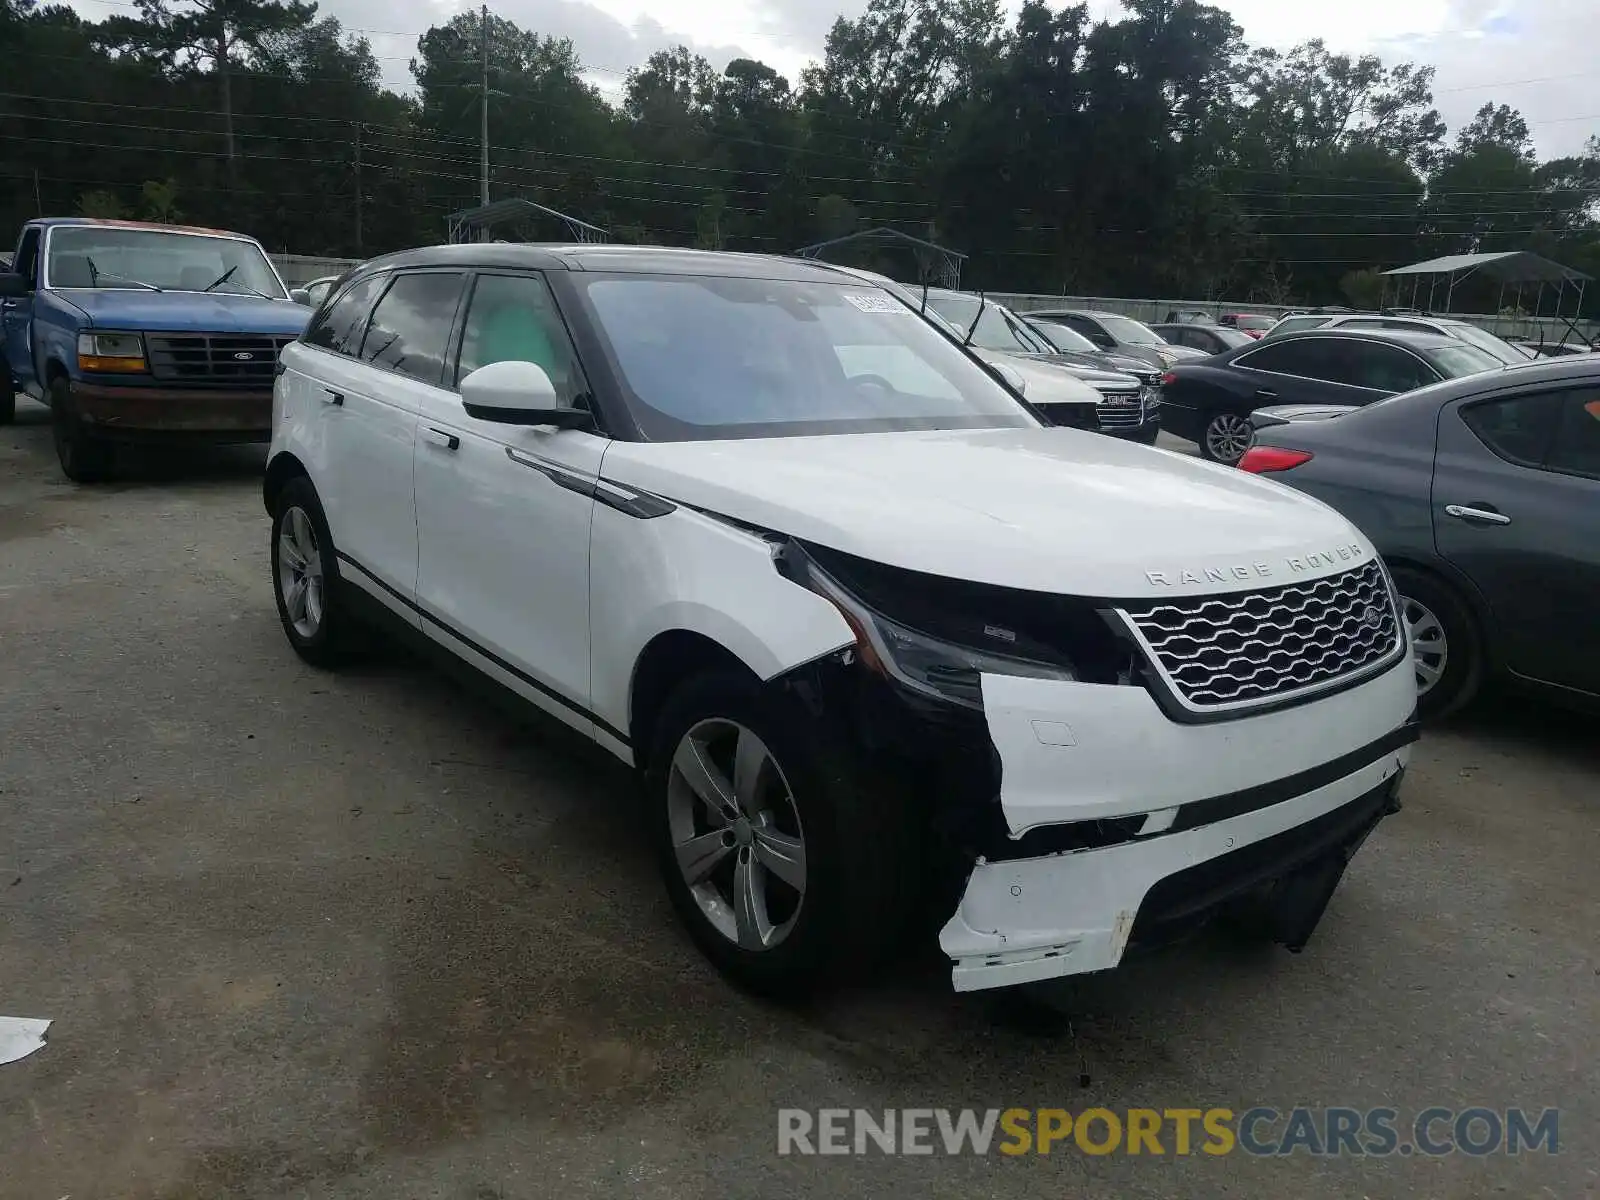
x: 736, y: 833
x: 300, y: 572
x: 1430, y: 648
x: 1228, y: 436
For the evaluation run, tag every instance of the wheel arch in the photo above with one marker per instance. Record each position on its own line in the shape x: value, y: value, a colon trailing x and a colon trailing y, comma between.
x: 668, y: 659
x: 283, y: 467
x: 1448, y: 576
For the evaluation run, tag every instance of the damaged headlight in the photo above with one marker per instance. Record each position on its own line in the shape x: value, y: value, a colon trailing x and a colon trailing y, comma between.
x: 931, y: 665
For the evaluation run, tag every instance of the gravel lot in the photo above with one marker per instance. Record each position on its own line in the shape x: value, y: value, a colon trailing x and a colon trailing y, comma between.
x: 307, y: 935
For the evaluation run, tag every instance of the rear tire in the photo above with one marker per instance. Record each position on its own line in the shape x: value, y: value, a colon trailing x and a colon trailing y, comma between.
x: 1226, y: 437
x: 305, y: 579
x: 797, y: 873
x: 84, y: 458
x: 1447, y: 647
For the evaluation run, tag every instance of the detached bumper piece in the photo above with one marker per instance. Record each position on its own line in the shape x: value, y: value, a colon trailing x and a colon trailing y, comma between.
x: 1028, y: 920
x: 165, y: 413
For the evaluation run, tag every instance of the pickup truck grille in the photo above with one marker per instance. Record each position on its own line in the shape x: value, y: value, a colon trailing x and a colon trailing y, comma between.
x: 244, y: 360
x: 1120, y: 410
x: 1252, y: 648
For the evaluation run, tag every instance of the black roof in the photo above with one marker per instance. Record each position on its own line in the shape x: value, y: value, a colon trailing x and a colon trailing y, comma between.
x: 644, y: 260
x: 1412, y: 339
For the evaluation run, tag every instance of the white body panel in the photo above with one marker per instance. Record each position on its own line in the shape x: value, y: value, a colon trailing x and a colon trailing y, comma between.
x: 354, y: 428
x: 1051, y: 510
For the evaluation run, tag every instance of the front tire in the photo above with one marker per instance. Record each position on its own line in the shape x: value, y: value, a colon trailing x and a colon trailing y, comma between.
x: 1446, y: 647
x: 1226, y: 437
x: 787, y: 874
x: 84, y: 458
x: 305, y: 579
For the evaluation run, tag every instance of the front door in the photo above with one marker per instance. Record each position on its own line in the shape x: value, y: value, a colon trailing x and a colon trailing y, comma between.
x: 17, y: 314
x: 1516, y: 508
x: 503, y: 511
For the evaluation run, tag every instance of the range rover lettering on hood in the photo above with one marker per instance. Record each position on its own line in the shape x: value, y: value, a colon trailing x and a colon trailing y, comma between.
x: 1316, y: 560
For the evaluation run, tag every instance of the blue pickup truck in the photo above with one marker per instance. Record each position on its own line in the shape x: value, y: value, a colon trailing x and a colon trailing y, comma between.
x: 130, y: 331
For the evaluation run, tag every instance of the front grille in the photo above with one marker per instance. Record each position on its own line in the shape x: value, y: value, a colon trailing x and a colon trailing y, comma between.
x: 1120, y: 410
x: 1251, y: 648
x: 217, y: 359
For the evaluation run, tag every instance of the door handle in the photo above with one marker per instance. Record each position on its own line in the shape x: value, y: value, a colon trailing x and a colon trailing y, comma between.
x: 1477, y: 514
x: 329, y: 396
x: 442, y: 437
x: 8, y: 303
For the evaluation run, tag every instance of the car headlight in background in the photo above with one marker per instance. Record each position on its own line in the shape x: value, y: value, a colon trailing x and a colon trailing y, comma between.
x: 930, y: 665
x: 99, y: 350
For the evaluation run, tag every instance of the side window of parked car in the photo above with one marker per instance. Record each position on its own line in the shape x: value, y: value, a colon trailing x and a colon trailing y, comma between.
x: 410, y: 328
x: 1090, y: 329
x: 1387, y: 368
x: 26, y: 262
x: 1309, y: 358
x: 1520, y: 428
x: 1576, y: 450
x: 514, y: 318
x: 339, y: 327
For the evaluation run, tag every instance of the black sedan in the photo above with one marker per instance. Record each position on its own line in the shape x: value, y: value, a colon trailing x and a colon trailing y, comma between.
x: 1210, y: 401
x: 1210, y: 339
x: 1483, y: 496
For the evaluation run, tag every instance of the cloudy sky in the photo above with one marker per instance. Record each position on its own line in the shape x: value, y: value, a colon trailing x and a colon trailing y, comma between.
x: 1536, y: 55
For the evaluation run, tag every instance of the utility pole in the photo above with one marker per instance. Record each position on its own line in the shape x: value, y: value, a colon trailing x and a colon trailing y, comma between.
x: 358, y: 188
x: 483, y: 130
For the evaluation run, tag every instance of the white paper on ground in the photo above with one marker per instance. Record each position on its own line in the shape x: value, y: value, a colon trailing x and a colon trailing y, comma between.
x: 20, y: 1037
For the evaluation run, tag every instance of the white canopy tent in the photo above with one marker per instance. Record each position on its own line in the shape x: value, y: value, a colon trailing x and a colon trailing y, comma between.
x: 1516, y: 268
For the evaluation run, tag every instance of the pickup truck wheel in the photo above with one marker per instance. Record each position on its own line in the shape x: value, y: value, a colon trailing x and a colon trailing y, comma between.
x: 788, y: 875
x: 83, y: 457
x: 305, y: 578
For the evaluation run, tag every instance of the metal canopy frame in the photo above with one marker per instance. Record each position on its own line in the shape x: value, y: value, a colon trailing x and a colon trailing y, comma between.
x: 937, y: 265
x: 476, y: 224
x: 1511, y: 267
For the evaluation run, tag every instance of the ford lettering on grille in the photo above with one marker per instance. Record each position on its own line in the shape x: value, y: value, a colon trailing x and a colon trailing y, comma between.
x: 1247, y: 649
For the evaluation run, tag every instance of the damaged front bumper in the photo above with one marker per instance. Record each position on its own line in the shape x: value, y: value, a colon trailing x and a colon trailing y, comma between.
x: 1190, y: 818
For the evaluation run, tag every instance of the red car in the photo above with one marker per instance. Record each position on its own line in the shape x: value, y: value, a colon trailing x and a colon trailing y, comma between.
x: 1253, y: 324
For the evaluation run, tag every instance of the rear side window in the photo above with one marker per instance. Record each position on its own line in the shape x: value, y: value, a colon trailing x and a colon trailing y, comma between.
x: 410, y: 328
x: 338, y: 327
x: 1519, y: 428
x: 1577, y: 444
x: 1309, y: 358
x: 1387, y: 368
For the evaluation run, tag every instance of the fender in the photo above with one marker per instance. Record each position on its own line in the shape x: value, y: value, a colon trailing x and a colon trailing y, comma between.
x: 649, y: 576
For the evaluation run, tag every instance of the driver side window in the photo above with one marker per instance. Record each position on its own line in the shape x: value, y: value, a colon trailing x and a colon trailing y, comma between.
x: 514, y: 318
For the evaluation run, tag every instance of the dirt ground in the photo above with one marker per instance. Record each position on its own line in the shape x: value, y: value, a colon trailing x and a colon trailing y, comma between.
x: 356, y: 935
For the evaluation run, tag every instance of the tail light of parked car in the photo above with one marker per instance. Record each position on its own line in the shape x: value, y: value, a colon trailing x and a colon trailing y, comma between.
x: 1262, y: 460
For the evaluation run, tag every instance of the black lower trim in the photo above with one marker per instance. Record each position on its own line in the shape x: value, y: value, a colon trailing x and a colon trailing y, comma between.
x: 537, y: 685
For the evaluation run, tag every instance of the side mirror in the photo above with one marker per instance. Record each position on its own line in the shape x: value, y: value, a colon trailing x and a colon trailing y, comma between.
x: 12, y: 285
x: 515, y: 392
x: 300, y: 295
x: 1013, y: 377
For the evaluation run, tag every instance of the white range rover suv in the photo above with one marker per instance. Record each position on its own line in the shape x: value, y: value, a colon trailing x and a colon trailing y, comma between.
x: 878, y: 640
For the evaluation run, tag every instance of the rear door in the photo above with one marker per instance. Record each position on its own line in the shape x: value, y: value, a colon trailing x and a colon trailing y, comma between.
x: 1516, y: 508
x: 1306, y: 370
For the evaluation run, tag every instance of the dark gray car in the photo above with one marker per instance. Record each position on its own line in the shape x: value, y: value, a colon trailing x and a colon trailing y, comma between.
x: 1208, y: 339
x: 1113, y: 331
x: 1483, y: 496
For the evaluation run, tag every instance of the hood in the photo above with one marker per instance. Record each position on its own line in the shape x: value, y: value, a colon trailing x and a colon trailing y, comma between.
x: 1046, y: 384
x: 188, y: 312
x: 1095, y: 374
x: 1051, y: 510
x: 1184, y: 353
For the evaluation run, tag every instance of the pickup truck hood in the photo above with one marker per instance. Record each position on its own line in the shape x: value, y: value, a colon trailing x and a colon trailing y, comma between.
x: 1052, y: 510
x: 187, y: 312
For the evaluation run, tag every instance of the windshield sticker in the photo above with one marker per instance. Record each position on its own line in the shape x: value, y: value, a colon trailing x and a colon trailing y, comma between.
x: 876, y: 304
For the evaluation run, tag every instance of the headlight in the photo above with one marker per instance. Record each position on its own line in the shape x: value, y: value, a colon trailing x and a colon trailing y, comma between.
x: 102, y: 351
x: 930, y: 665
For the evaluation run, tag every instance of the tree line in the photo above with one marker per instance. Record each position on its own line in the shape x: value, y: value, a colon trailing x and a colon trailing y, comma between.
x: 1155, y: 154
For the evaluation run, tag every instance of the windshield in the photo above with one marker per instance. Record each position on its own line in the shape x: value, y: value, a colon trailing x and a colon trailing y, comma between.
x: 105, y: 256
x: 1248, y: 321
x: 1063, y: 338
x: 1488, y: 343
x: 703, y: 357
x: 1232, y: 338
x: 1296, y: 324
x: 1462, y: 359
x: 998, y: 328
x: 1130, y: 332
